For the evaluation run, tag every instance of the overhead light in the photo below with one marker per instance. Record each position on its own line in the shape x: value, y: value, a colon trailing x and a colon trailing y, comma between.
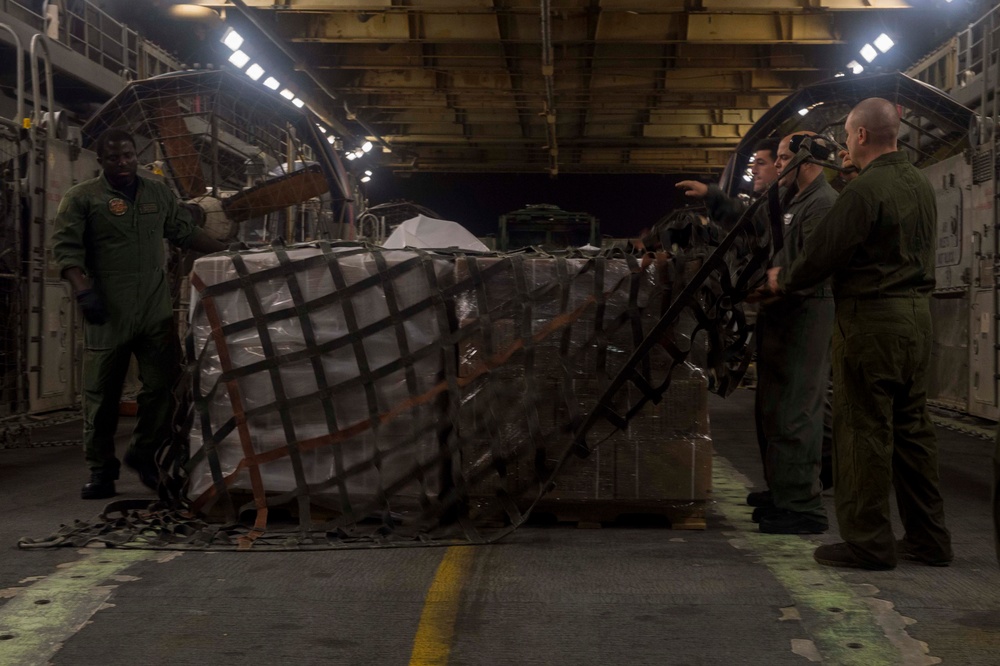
x: 272, y: 83
x: 332, y: 139
x: 884, y: 43
x: 803, y: 112
x: 359, y: 153
x: 351, y: 156
x: 239, y: 58
x: 368, y: 173
x: 838, y: 75
x: 855, y: 67
x: 366, y: 179
x: 868, y: 52
x: 366, y: 146
x: 255, y: 71
x: 748, y: 177
x: 298, y: 102
x: 288, y: 94
x: 232, y: 39
x: 321, y: 129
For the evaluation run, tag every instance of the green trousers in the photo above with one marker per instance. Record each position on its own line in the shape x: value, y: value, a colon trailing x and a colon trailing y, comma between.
x: 793, y: 369
x: 156, y: 350
x: 883, y: 435
x: 996, y: 495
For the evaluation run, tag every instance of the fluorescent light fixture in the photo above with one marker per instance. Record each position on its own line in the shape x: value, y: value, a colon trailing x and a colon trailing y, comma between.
x: 331, y: 139
x: 747, y: 177
x: 359, y: 153
x: 368, y: 173
x: 838, y: 75
x: 366, y: 146
x: 239, y: 58
x: 351, y: 156
x: 298, y: 102
x: 272, y: 83
x: 868, y: 52
x: 855, y: 67
x: 255, y: 71
x: 321, y: 128
x: 803, y: 112
x: 884, y: 43
x: 288, y: 94
x: 366, y: 179
x: 232, y: 39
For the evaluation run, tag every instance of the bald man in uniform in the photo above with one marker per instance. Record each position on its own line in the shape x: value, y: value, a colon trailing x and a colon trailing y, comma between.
x: 878, y: 245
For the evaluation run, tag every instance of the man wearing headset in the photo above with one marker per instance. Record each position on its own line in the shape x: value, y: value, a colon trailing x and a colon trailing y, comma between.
x: 793, y: 360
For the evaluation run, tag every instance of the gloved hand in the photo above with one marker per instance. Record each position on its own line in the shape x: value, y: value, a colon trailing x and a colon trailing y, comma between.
x: 92, y: 306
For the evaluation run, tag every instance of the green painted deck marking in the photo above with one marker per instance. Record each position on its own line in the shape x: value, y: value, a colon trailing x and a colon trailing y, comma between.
x: 847, y: 628
x: 40, y: 618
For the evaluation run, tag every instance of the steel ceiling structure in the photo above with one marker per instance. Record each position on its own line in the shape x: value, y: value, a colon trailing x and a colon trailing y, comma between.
x: 563, y: 86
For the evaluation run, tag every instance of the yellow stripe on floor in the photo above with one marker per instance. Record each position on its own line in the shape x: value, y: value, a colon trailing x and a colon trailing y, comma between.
x: 42, y: 616
x: 847, y: 628
x: 432, y: 644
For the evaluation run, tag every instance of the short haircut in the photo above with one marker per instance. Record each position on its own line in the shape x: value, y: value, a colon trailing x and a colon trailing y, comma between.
x: 113, y: 134
x: 770, y: 144
x: 880, y: 118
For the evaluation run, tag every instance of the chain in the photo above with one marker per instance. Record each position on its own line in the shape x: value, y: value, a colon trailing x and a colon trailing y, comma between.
x: 955, y: 420
x: 15, y: 433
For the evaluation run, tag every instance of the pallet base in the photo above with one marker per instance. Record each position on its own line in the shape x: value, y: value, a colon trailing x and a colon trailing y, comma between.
x: 680, y: 514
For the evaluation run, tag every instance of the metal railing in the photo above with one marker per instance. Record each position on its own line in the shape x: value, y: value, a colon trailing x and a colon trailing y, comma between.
x: 88, y: 30
x: 974, y: 41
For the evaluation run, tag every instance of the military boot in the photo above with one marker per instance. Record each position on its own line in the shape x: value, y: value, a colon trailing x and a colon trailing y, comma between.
x: 100, y: 486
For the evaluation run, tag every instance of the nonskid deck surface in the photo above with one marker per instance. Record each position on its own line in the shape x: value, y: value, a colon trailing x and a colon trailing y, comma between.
x: 548, y: 594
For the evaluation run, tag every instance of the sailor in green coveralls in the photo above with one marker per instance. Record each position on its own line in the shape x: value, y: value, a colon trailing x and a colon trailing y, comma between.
x: 877, y: 242
x: 109, y: 246
x: 793, y: 361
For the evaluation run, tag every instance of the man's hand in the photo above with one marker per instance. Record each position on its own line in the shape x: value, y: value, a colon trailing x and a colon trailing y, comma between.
x: 92, y: 306
x: 772, y: 280
x: 693, y: 188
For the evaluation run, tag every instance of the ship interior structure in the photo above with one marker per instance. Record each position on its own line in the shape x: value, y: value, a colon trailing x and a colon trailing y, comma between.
x: 398, y: 439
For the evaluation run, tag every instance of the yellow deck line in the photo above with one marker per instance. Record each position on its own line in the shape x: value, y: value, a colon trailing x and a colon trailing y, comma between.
x: 432, y: 644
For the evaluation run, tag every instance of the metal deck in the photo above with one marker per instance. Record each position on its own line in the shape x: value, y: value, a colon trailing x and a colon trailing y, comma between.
x: 547, y: 595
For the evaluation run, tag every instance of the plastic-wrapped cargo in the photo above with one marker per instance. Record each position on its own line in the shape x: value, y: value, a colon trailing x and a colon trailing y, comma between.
x: 429, y: 384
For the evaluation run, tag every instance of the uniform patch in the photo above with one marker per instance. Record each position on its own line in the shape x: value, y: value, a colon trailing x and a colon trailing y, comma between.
x: 117, y: 206
x: 149, y: 207
x: 787, y: 218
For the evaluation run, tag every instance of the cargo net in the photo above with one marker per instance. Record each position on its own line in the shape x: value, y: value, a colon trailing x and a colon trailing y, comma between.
x: 344, y: 395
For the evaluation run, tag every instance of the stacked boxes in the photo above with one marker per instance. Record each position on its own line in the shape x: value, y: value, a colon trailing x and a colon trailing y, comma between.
x: 364, y: 372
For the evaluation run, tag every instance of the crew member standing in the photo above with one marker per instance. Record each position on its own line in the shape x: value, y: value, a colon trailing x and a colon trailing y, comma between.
x: 109, y: 246
x: 878, y: 244
x: 793, y: 362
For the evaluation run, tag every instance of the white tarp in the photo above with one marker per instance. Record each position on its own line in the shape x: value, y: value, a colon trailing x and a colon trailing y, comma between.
x: 427, y: 232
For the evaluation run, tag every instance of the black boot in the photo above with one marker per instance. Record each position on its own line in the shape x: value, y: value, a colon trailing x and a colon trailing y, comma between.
x: 101, y: 486
x: 149, y: 473
x: 782, y: 521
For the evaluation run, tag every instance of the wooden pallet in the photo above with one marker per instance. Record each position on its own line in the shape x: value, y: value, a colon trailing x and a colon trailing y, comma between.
x: 680, y: 514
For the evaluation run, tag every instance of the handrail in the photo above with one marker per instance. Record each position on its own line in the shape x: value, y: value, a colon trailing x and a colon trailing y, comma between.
x: 36, y: 116
x: 19, y: 117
